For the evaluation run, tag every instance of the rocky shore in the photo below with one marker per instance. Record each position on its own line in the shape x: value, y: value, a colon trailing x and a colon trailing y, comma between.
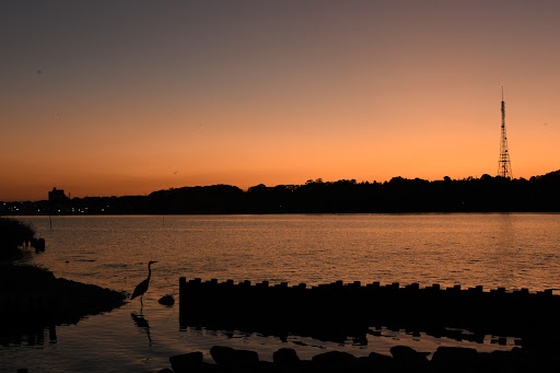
x: 32, y: 298
x: 337, y: 310
x: 402, y: 359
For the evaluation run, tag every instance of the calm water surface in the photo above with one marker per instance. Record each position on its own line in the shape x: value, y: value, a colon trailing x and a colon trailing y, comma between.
x: 493, y: 250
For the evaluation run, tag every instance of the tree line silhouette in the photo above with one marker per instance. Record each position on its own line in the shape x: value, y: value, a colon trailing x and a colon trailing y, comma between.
x: 398, y: 195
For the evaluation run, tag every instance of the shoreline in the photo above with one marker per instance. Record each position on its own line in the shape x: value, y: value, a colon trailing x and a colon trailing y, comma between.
x: 401, y: 359
x: 33, y: 299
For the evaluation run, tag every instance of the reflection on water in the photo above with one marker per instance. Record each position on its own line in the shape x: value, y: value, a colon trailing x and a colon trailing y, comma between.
x: 31, y: 336
x: 493, y: 250
x: 112, y: 343
x: 143, y: 324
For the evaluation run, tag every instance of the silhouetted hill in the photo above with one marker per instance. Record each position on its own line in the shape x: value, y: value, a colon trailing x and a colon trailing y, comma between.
x: 484, y: 194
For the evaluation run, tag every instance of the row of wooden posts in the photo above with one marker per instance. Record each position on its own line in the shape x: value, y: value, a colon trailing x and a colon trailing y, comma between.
x: 350, y: 309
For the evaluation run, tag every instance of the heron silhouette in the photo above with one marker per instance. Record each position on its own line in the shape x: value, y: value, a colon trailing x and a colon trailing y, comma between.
x: 142, y: 287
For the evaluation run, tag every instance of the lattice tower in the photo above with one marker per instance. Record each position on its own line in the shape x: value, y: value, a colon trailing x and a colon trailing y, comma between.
x: 504, y: 163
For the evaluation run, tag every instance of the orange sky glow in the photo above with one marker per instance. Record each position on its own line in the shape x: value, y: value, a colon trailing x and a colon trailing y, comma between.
x: 118, y: 98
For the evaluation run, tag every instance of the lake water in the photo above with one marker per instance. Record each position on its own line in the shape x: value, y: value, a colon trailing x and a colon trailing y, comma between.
x: 494, y: 250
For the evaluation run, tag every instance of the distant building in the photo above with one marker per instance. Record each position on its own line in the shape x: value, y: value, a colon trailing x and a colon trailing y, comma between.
x: 57, y: 195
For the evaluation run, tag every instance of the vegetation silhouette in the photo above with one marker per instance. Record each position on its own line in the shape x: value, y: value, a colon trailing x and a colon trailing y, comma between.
x: 398, y: 195
x: 32, y: 298
x: 15, y: 236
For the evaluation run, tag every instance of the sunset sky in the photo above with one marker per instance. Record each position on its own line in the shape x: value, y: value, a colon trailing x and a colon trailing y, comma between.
x: 105, y: 98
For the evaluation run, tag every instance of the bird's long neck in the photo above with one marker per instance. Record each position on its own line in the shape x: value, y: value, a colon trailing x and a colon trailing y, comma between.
x: 149, y: 270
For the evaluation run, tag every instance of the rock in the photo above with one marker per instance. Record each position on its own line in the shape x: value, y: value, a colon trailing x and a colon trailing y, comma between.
x: 518, y: 360
x: 188, y: 362
x: 497, y: 362
x: 454, y: 359
x: 167, y: 300
x: 407, y: 353
x: 332, y: 361
x: 243, y: 358
x: 267, y: 367
x: 285, y: 357
x: 380, y: 361
x: 228, y: 357
x: 221, y: 355
x: 363, y: 364
x: 408, y: 358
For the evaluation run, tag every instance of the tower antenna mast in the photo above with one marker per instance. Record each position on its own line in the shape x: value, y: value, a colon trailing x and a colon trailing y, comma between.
x: 504, y: 163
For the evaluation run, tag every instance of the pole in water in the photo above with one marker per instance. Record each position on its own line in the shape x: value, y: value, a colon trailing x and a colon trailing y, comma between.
x: 50, y: 222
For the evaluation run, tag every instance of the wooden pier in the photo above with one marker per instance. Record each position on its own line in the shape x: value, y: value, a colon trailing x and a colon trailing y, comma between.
x: 340, y: 310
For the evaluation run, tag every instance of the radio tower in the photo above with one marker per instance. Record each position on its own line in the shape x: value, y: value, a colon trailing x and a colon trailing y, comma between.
x: 504, y: 164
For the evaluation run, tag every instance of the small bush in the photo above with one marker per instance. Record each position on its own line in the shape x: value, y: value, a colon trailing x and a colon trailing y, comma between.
x: 14, y: 234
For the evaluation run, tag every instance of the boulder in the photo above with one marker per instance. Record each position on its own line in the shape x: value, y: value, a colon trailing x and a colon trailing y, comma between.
x: 406, y: 358
x: 188, y: 362
x: 167, y: 300
x: 381, y: 362
x: 363, y: 364
x: 285, y: 357
x: 228, y: 357
x: 332, y: 361
x: 454, y: 359
x: 518, y: 360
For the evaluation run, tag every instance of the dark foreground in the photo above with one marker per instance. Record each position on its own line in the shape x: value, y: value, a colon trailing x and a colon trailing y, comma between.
x: 403, y: 359
x: 337, y: 311
x: 32, y: 299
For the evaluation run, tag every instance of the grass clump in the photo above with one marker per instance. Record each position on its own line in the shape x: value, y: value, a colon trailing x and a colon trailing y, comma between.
x: 14, y: 234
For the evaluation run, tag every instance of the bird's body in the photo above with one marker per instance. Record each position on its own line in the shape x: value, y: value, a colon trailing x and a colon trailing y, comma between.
x: 142, y: 287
